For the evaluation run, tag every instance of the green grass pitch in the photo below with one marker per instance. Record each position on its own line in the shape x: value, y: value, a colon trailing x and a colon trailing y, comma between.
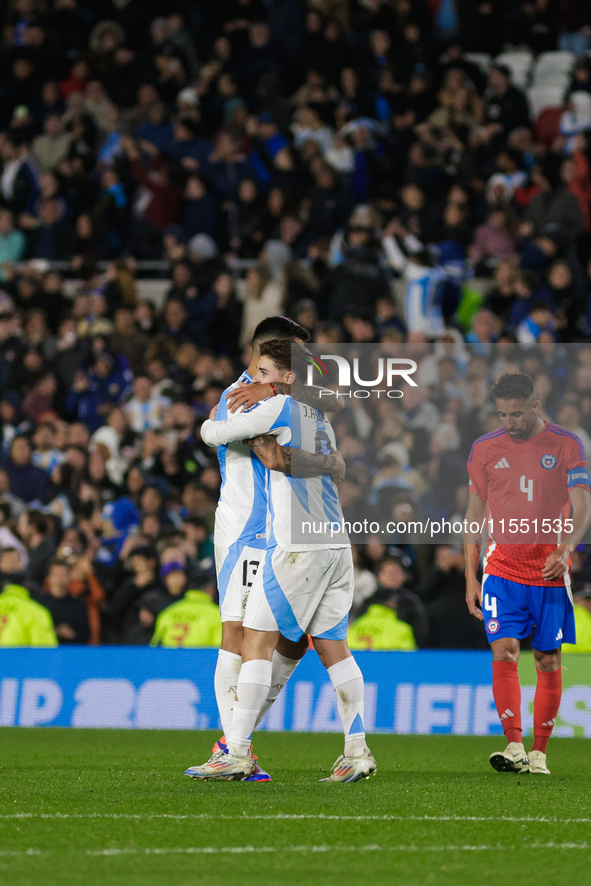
x: 113, y: 807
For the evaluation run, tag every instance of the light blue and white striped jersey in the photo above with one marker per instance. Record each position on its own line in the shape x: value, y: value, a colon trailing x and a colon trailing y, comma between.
x: 241, y: 514
x: 293, y: 503
x: 424, y: 293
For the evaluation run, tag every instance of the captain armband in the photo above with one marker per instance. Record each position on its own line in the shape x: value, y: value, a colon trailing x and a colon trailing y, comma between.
x: 578, y: 477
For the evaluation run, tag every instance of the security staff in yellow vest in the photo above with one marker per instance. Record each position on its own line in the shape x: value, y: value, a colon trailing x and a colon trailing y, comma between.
x: 23, y: 622
x: 194, y: 620
x: 582, y: 610
x: 380, y: 628
x: 394, y: 617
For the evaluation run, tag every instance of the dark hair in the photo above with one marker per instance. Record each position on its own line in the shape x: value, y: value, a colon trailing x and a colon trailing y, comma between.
x: 502, y: 69
x: 77, y: 447
x: 398, y: 559
x: 67, y: 474
x: 38, y: 521
x: 514, y: 386
x: 286, y: 354
x: 58, y: 561
x: 80, y: 535
x: 551, y: 169
x: 196, y: 522
x: 10, y: 551
x: 279, y: 327
x: 145, y: 551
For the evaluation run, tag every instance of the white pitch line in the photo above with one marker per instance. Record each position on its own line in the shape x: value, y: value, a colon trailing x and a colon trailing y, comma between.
x: 155, y: 816
x: 244, y: 850
x: 20, y: 852
x: 267, y: 850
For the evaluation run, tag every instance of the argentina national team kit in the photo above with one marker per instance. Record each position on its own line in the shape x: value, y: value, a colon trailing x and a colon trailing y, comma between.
x: 240, y: 534
x: 269, y: 577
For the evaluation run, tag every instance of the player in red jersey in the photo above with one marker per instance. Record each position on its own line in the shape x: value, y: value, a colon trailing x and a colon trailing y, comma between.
x: 529, y: 489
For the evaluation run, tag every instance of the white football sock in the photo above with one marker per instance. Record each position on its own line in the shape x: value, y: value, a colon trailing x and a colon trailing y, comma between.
x: 253, y: 688
x: 282, y: 670
x: 225, y: 682
x: 347, y: 680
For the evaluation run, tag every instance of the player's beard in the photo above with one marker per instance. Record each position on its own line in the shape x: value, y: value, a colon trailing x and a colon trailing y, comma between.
x: 522, y: 433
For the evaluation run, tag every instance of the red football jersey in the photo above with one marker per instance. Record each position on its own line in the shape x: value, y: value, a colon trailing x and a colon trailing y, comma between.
x: 526, y: 486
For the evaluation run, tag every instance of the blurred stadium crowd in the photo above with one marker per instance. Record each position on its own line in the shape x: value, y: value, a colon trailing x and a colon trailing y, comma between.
x: 379, y: 170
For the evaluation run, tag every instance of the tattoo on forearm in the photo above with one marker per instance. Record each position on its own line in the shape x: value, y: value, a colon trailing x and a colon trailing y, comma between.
x: 310, y: 395
x: 307, y: 464
x: 261, y: 446
x: 286, y: 452
x: 293, y: 462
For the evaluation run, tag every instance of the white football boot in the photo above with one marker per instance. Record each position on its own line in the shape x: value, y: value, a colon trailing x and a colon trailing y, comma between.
x: 348, y: 769
x: 222, y: 766
x: 512, y: 759
x: 538, y: 762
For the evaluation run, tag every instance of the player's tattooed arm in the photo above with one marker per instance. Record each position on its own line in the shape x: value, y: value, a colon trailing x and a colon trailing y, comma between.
x: 297, y: 462
x: 322, y: 399
x: 246, y: 395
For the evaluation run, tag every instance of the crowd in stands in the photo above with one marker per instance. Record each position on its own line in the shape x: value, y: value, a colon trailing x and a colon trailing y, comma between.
x: 378, y: 170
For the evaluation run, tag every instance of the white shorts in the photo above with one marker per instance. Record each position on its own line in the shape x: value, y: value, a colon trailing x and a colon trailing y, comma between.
x: 305, y: 592
x: 236, y: 568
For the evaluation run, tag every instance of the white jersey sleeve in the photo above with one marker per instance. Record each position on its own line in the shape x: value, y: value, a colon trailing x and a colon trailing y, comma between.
x: 267, y: 417
x: 241, y: 514
x: 305, y: 513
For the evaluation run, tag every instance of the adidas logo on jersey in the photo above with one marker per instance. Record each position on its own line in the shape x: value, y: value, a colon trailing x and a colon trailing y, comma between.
x: 506, y: 714
x: 559, y: 635
x: 503, y: 463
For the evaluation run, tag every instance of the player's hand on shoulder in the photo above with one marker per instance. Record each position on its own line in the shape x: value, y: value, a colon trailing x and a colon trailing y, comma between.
x: 474, y: 598
x: 246, y: 395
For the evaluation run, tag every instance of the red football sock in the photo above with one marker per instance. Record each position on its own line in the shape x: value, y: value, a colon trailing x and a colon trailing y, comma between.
x: 546, y: 704
x: 507, y: 693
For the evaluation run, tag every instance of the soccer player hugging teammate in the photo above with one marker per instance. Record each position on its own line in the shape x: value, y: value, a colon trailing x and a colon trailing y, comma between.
x: 529, y: 487
x: 240, y: 527
x: 302, y: 587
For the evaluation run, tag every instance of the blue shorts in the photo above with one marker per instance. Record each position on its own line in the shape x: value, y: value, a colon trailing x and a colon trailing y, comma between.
x: 515, y: 610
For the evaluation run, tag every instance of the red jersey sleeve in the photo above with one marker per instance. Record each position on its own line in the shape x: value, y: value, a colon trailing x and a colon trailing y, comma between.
x: 577, y: 473
x: 476, y: 472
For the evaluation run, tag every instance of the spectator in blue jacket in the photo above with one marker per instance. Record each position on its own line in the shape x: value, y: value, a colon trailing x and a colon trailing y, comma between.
x: 26, y: 481
x: 108, y: 381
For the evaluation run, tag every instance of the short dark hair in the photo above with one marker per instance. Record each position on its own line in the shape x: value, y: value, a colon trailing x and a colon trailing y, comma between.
x: 144, y: 551
x: 286, y: 354
x: 502, y: 69
x: 38, y: 520
x: 279, y: 327
x: 196, y: 522
x: 58, y: 561
x: 514, y: 386
x: 10, y: 551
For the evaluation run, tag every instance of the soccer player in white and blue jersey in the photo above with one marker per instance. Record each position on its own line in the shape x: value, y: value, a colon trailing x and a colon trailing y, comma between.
x: 433, y: 280
x: 240, y: 541
x: 305, y: 584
